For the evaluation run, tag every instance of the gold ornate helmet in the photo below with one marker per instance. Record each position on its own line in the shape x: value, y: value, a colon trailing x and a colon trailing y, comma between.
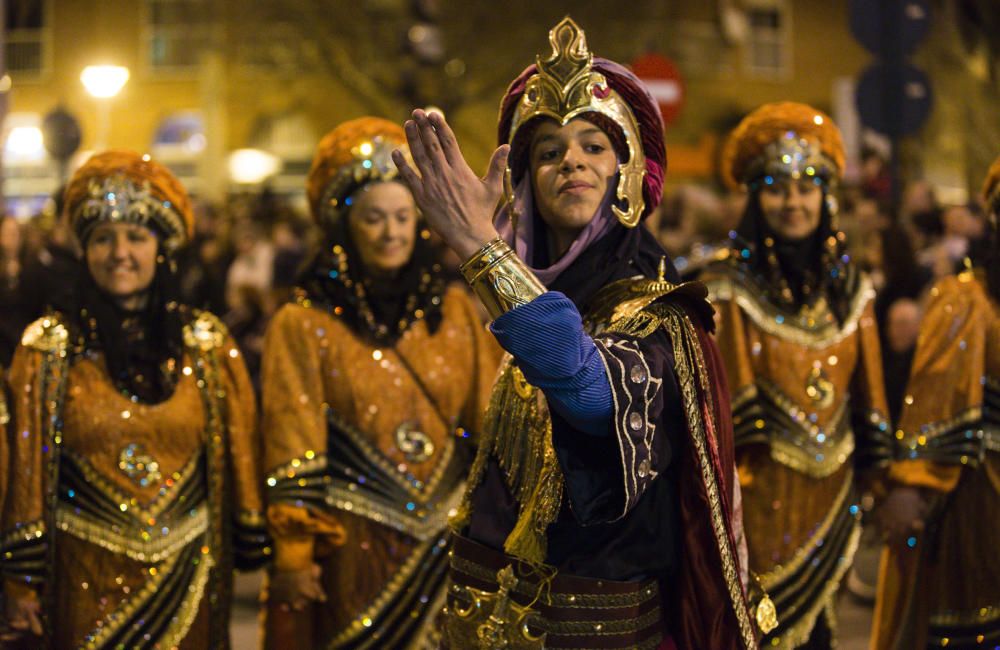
x: 354, y: 154
x: 124, y: 186
x: 783, y: 139
x: 572, y: 82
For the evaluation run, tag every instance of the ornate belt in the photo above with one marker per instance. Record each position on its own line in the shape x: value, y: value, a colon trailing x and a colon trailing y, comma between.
x: 763, y: 414
x: 495, y: 601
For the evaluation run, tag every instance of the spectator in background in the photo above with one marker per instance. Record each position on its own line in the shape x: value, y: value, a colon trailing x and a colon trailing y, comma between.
x: 288, y: 236
x: 876, y: 182
x: 202, y: 264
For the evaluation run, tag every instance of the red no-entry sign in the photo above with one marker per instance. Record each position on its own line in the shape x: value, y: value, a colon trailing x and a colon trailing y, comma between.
x: 664, y: 81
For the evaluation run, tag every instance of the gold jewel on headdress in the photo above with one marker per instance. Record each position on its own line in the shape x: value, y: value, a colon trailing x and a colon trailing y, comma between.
x: 372, y: 163
x: 118, y: 199
x: 564, y: 87
x: 792, y: 156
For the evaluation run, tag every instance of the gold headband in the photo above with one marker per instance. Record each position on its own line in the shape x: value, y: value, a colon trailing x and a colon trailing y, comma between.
x: 118, y: 199
x: 564, y: 87
x: 794, y: 157
x: 372, y: 163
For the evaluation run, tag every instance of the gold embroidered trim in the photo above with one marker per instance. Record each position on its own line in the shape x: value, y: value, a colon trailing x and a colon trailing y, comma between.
x: 205, y: 333
x: 389, y: 592
x: 967, y: 618
x: 799, y: 633
x: 635, y: 476
x: 912, y: 440
x: 799, y: 448
x: 134, y: 542
x: 27, y: 532
x: 4, y: 411
x: 768, y: 318
x: 648, y: 644
x: 251, y: 519
x: 180, y: 623
x: 562, y: 600
x: 600, y: 628
x: 317, y: 464
x: 687, y: 355
x: 47, y: 334
x: 628, y: 303
x: 165, y: 498
x: 419, y: 527
x: 782, y: 572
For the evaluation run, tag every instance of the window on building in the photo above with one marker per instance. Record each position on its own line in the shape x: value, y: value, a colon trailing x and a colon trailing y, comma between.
x: 177, y: 32
x: 769, y: 44
x: 26, y: 50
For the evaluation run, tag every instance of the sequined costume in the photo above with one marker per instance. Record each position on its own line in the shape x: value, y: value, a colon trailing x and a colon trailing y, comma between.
x: 574, y: 532
x: 941, y: 587
x: 128, y: 500
x: 804, y: 369
x: 369, y: 422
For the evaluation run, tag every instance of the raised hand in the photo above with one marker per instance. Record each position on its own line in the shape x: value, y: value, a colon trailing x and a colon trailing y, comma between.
x: 296, y: 589
x: 902, y: 514
x: 24, y: 614
x: 457, y: 204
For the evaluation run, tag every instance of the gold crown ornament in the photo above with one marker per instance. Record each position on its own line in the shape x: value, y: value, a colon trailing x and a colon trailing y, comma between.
x: 119, y: 199
x: 372, y: 162
x: 352, y: 155
x: 783, y: 139
x: 565, y: 87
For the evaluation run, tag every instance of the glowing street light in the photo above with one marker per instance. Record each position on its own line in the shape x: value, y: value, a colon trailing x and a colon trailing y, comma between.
x: 102, y: 83
x: 24, y: 143
x: 252, y: 166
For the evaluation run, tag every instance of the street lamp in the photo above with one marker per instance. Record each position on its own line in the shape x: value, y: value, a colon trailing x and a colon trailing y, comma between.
x: 102, y: 83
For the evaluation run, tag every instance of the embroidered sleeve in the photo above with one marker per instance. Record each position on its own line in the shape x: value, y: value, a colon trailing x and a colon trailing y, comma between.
x: 868, y: 402
x: 295, y: 437
x: 251, y: 544
x: 635, y: 393
x: 547, y: 340
x: 24, y: 535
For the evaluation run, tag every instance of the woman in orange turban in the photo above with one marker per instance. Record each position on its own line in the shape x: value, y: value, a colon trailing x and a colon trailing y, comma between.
x: 374, y: 382
x: 134, y: 460
x: 797, y: 331
x: 939, y: 584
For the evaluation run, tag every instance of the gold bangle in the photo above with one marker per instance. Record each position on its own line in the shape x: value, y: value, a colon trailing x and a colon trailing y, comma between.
x: 500, y: 279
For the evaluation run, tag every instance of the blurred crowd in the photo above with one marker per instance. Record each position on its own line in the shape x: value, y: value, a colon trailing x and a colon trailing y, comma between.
x: 246, y: 255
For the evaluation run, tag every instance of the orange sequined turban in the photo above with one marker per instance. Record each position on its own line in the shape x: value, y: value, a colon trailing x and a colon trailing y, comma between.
x: 355, y: 153
x: 783, y: 139
x: 123, y: 186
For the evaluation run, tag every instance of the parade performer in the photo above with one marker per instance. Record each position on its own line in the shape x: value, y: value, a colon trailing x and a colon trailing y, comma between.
x: 601, y: 506
x: 374, y: 381
x: 939, y: 583
x: 133, y: 458
x: 797, y: 332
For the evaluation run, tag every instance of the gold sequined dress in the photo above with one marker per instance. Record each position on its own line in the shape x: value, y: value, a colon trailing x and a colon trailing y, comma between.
x: 123, y: 516
x: 808, y: 406
x: 941, y: 588
x: 367, y: 448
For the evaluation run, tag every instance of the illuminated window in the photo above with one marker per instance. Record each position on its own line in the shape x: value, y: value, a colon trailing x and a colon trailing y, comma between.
x: 769, y: 39
x: 28, y: 38
x: 177, y: 32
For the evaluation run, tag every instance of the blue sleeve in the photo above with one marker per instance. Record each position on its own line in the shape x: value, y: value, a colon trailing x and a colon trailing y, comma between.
x: 547, y: 340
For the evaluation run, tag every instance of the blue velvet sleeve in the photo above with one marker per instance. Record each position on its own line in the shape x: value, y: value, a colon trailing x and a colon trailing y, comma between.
x: 547, y: 340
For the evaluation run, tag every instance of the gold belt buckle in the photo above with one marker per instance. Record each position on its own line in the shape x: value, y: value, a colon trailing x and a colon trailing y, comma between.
x: 493, y: 620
